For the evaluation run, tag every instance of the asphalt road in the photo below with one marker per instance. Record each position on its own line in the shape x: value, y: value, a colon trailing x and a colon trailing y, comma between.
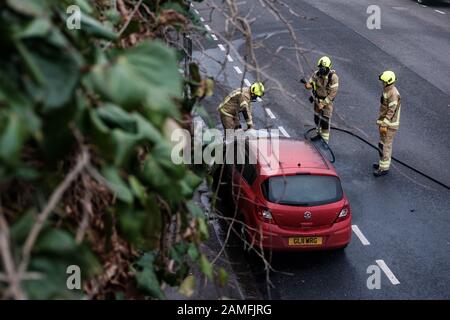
x: 404, y: 217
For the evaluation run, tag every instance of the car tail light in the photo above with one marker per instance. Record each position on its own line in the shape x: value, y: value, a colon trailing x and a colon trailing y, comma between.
x: 264, y: 215
x: 344, y: 213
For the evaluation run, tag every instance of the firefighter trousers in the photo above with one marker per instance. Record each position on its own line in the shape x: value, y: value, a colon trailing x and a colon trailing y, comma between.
x: 229, y: 122
x: 385, y: 146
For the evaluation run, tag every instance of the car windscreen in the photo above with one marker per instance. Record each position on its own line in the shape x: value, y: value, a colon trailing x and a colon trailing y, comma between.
x: 303, y: 190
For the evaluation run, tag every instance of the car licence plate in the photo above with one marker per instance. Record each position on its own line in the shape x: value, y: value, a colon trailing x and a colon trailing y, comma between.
x: 305, y: 241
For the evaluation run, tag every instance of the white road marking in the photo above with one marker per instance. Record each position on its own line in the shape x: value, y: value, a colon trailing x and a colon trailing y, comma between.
x: 270, y: 113
x: 229, y: 58
x: 424, y: 6
x: 284, y: 132
x: 360, y: 235
x: 221, y: 47
x: 248, y: 83
x: 207, y: 27
x: 259, y: 99
x: 214, y: 37
x: 202, y: 19
x: 237, y: 70
x: 439, y: 11
x: 196, y: 11
x: 387, y: 271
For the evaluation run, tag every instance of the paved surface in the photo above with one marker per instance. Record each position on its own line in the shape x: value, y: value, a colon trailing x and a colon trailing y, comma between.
x: 405, y: 217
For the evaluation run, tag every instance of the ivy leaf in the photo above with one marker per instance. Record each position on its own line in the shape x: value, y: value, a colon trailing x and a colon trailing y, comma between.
x: 147, y: 279
x: 194, y: 209
x: 203, y: 228
x: 29, y: 7
x: 147, y: 73
x: 117, y: 185
x: 206, y: 267
x: 12, y: 138
x: 55, y: 241
x: 96, y: 28
x: 187, y: 286
x: 21, y: 228
x: 193, y: 252
x: 222, y: 277
x: 55, y: 73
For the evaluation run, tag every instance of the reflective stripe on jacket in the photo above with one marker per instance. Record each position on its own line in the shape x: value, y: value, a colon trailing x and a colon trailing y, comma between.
x: 390, y: 108
x: 238, y: 101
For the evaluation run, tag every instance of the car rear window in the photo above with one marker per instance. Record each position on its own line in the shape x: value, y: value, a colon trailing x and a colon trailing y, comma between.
x: 303, y: 190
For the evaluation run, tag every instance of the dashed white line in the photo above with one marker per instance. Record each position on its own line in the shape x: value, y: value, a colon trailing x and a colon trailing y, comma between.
x: 248, y: 83
x: 387, y: 271
x: 237, y: 70
x: 424, y: 6
x: 360, y: 235
x: 207, y: 27
x: 196, y: 11
x: 202, y: 19
x: 439, y: 11
x: 214, y: 37
x: 270, y: 113
x: 230, y: 59
x: 284, y: 132
x: 221, y: 47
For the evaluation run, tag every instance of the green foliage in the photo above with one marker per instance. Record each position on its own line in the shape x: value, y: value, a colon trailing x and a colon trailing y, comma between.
x: 60, y: 89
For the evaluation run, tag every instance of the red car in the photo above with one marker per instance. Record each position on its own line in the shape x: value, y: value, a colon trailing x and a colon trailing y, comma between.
x: 297, y: 204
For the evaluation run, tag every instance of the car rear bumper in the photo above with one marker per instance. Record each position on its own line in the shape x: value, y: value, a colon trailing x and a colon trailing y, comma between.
x: 275, y: 238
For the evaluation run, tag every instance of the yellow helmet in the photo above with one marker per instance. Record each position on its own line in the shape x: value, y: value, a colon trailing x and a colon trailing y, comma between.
x: 388, y: 77
x: 257, y: 89
x: 324, y: 62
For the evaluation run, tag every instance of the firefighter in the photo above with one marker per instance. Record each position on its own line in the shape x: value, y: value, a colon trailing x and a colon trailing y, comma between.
x: 324, y: 84
x: 238, y: 101
x: 388, y: 121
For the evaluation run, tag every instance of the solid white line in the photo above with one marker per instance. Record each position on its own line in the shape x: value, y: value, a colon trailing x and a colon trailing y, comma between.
x: 201, y: 19
x: 207, y: 27
x: 237, y: 70
x: 248, y: 83
x: 270, y: 113
x: 439, y: 11
x: 360, y: 235
x: 229, y: 58
x: 388, y: 272
x: 214, y: 37
x: 221, y: 47
x: 284, y: 132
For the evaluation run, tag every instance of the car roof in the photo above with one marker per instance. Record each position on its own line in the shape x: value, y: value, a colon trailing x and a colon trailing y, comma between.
x: 293, y: 153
